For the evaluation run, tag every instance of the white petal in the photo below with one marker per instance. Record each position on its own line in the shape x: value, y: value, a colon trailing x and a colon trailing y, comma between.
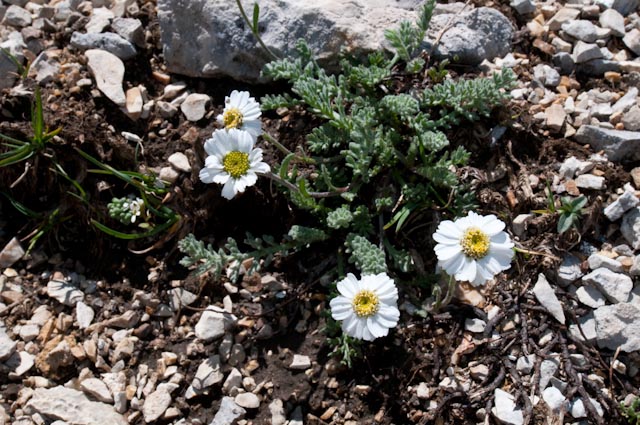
x: 220, y: 119
x: 388, y: 315
x: 347, y: 287
x: 250, y: 178
x: 448, y: 228
x: 492, y: 226
x: 468, y: 270
x: 351, y: 328
x: 341, y: 308
x: 364, y: 331
x: 445, y: 239
x: 453, y: 265
x: 446, y: 252
x: 221, y: 178
x: 228, y: 191
x: 376, y: 328
x: 253, y: 127
x: 207, y: 175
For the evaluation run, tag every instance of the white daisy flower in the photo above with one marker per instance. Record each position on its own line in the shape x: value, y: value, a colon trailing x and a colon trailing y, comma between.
x: 473, y: 248
x: 241, y: 112
x: 232, y: 161
x: 367, y: 307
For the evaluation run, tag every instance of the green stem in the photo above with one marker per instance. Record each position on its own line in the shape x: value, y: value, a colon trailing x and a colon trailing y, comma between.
x: 255, y: 32
x: 295, y: 188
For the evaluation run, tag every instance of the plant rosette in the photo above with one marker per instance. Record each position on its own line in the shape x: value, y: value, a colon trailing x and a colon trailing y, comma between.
x: 233, y: 161
x: 473, y: 248
x: 366, y: 307
x: 241, y: 112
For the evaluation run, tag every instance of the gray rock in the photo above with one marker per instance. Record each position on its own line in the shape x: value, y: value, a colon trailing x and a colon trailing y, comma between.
x: 630, y: 227
x: 584, y: 52
x: 130, y: 29
x: 597, y: 260
x: 588, y: 325
x: 615, y: 286
x: 15, y: 45
x: 505, y: 409
x: 631, y: 119
x: 475, y: 325
x: 523, y: 7
x: 618, y: 145
x: 570, y: 270
x: 276, y: 408
x: 629, y: 99
x: 166, y: 109
x: 623, y: 6
x: 555, y: 117
x: 107, y: 41
x: 564, y: 61
x: 216, y: 42
x: 234, y: 380
x: 11, y: 253
x: 546, y: 75
x: 554, y: 399
x: 228, y: 413
x: 65, y: 292
x: 7, y: 345
x: 624, y: 203
x: 44, y: 68
x: 472, y: 37
x: 578, y: 410
x: 72, y: 406
x: 632, y: 41
x: 213, y: 323
x: 194, y: 106
x: 17, y: 17
x: 581, y: 30
x: 19, y: 364
x: 156, y: 404
x: 612, y: 19
x: 108, y: 71
x: 300, y: 362
x: 181, y: 297
x: 634, y: 270
x: 525, y: 364
x: 590, y: 296
x: 618, y: 325
x: 597, y: 67
x: 548, y: 299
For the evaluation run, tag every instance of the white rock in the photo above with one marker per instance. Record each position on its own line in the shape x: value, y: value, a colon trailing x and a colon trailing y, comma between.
x: 168, y: 174
x: 247, y: 400
x: 615, y: 286
x: 19, y: 364
x: 155, y: 405
x: 194, y: 106
x: 475, y: 325
x: 632, y: 41
x: 97, y: 389
x: 519, y: 224
x: 12, y: 251
x: 618, y: 326
x: 548, y: 369
x: 584, y: 52
x: 590, y: 296
x: 213, y: 323
x: 65, y: 292
x: 180, y: 297
x: 554, y: 399
x: 208, y: 374
x: 588, y: 325
x: 84, y: 315
x: 44, y: 68
x: 134, y: 103
x: 107, y: 41
x: 234, y: 380
x: 578, y: 410
x: 29, y: 332
x: 228, y: 413
x: 276, y: 408
x: 72, y: 406
x: 505, y: 408
x: 612, y: 19
x: 581, y: 29
x: 17, y: 17
x: 100, y: 19
x: 300, y: 362
x: 423, y: 391
x: 631, y: 119
x: 627, y: 101
x: 180, y: 162
x: 525, y: 364
x: 624, y: 203
x: 479, y: 372
x: 546, y: 75
x: 597, y: 260
x: 548, y: 299
x: 570, y: 270
x: 166, y: 109
x: 630, y: 227
x: 555, y: 117
x: 108, y: 71
x: 590, y: 181
x: 563, y: 15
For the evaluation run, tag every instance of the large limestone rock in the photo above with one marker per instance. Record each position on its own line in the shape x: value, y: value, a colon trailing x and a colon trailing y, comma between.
x: 217, y: 42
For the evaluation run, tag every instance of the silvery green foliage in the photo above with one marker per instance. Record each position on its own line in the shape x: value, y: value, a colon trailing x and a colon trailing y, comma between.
x: 366, y: 256
x: 374, y: 135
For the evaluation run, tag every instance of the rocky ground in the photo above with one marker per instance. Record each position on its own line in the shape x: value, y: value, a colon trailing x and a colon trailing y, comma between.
x: 97, y: 331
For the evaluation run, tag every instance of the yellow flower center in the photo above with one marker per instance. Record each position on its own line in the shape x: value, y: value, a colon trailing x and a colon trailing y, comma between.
x: 366, y: 303
x: 232, y: 118
x: 236, y: 163
x: 475, y: 243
